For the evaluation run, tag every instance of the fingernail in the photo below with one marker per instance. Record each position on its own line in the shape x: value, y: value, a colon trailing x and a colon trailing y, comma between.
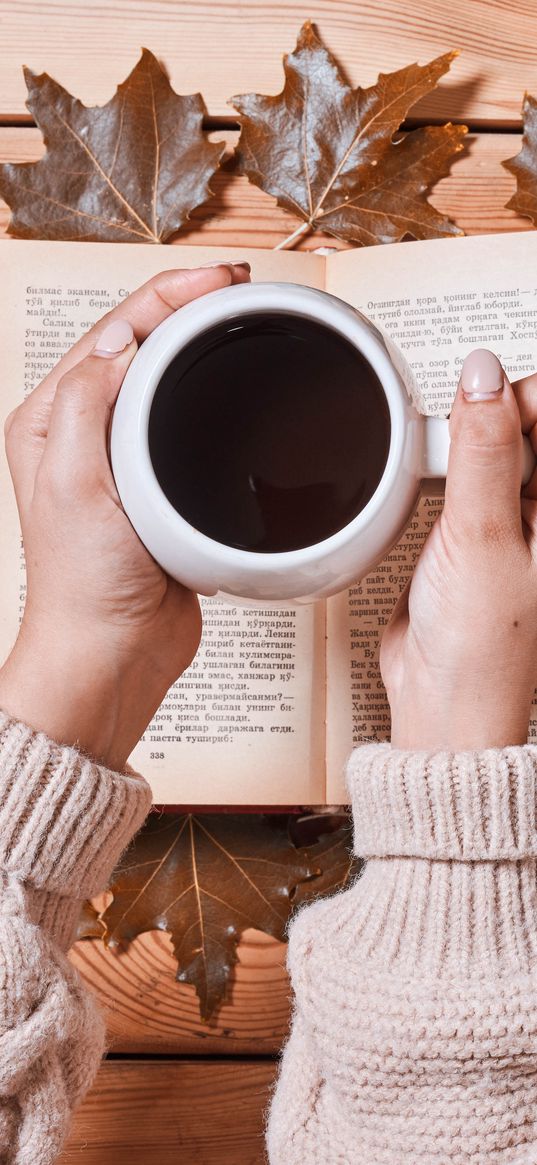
x: 114, y: 339
x: 481, y: 375
x: 229, y: 263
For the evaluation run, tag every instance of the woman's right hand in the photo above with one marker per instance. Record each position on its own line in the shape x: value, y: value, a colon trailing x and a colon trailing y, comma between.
x: 459, y: 657
x: 105, y: 631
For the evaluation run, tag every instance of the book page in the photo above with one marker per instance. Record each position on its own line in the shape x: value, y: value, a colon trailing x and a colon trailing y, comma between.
x: 436, y: 300
x: 245, y: 723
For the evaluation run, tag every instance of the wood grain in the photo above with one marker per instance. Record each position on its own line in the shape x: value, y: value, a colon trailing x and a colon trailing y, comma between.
x: 175, y: 1113
x: 224, y: 47
x: 193, y: 1111
x: 474, y: 195
x: 147, y: 1010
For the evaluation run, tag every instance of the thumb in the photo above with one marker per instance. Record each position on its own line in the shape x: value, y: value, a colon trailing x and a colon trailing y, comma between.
x: 76, y: 448
x: 485, y: 458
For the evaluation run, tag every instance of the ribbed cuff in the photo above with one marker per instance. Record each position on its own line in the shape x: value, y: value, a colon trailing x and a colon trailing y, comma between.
x: 467, y: 806
x: 64, y: 820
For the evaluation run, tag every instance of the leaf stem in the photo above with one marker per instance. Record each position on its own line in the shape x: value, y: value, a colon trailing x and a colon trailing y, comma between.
x: 289, y: 242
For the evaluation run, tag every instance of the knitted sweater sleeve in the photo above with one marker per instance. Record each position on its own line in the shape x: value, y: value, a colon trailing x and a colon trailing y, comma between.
x: 414, y: 1038
x: 64, y: 821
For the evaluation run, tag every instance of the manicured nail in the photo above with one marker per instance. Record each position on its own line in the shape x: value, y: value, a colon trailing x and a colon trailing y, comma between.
x: 229, y: 263
x: 115, y: 338
x: 481, y: 375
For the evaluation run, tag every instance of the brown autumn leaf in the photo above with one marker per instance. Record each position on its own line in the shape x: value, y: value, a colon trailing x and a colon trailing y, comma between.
x: 129, y: 171
x: 327, y: 152
x: 90, y: 924
x: 205, y: 879
x: 328, y: 841
x: 524, y: 164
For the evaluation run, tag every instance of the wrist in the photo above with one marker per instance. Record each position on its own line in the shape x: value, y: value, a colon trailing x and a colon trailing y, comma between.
x: 459, y: 732
x: 459, y: 723
x: 76, y: 696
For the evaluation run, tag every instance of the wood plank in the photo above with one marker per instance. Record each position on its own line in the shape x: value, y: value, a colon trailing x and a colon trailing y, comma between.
x: 177, y: 1113
x: 225, y: 47
x: 474, y: 195
x: 147, y: 1010
x: 475, y: 192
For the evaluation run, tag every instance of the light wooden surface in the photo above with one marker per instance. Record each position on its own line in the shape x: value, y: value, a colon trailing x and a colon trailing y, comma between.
x: 224, y: 48
x: 202, y: 1111
x: 175, y: 1113
x: 147, y: 1010
x: 474, y: 195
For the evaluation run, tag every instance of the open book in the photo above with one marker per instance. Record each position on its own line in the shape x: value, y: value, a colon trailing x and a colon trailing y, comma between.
x: 271, y: 707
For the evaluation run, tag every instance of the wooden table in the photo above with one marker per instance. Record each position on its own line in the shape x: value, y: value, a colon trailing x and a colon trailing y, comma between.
x: 172, y: 1088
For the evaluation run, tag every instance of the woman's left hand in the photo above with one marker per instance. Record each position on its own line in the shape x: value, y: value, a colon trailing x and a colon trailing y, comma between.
x: 459, y: 657
x: 105, y: 631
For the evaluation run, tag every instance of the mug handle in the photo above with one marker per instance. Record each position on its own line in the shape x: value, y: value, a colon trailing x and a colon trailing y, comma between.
x: 436, y: 451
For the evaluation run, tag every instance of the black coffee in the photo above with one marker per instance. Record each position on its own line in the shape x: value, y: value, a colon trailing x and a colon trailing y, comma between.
x: 269, y: 432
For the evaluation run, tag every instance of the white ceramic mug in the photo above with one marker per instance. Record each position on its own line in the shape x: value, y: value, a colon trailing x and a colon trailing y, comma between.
x: 418, y: 452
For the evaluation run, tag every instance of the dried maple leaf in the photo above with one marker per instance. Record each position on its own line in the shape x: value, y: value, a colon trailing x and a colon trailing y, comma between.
x: 326, y: 151
x: 524, y: 164
x: 205, y: 880
x: 90, y: 924
x: 328, y: 842
x: 128, y: 171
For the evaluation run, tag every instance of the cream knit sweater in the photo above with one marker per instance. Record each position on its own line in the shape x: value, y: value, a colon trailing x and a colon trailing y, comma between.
x: 414, y: 1040
x: 63, y: 823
